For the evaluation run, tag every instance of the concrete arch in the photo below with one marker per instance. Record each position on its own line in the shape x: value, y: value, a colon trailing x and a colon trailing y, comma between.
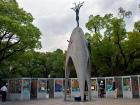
x: 78, y: 54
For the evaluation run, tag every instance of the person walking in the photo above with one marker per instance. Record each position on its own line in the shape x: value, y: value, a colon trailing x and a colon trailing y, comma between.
x: 4, y: 92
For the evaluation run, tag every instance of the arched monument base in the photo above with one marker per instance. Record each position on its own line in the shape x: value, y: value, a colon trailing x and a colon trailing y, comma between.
x: 78, y: 55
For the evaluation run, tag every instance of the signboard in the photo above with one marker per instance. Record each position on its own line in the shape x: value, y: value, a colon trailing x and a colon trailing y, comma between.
x: 75, y: 88
x: 59, y: 88
x: 94, y: 89
x: 126, y: 84
x: 26, y: 87
x: 109, y: 84
x: 42, y: 86
x: 135, y: 88
x: 93, y: 85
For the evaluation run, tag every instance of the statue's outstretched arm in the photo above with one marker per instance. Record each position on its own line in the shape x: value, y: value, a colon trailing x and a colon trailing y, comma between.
x: 80, y: 5
x: 73, y: 9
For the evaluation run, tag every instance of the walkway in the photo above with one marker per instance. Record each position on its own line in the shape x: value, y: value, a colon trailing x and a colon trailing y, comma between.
x: 61, y: 102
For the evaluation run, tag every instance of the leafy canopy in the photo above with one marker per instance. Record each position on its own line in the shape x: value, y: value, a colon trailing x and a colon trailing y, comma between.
x: 114, y: 51
x: 17, y: 33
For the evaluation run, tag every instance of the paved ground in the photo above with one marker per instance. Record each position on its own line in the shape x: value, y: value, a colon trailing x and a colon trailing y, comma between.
x: 61, y: 102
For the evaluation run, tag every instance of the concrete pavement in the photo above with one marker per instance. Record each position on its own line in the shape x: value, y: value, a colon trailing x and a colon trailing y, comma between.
x: 62, y: 102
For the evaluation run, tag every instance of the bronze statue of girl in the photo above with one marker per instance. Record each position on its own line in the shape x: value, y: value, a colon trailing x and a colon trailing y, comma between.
x: 77, y: 9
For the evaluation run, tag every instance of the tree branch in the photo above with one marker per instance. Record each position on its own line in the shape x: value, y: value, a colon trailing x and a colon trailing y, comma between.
x: 121, y: 50
x: 4, y: 51
x: 12, y: 53
x: 9, y: 46
x: 4, y: 34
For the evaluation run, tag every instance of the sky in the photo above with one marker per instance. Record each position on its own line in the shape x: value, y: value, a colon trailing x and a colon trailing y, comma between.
x: 56, y: 20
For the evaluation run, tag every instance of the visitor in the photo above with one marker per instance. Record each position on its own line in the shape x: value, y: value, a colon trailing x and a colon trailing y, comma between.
x: 4, y: 92
x: 101, y: 89
x: 114, y: 89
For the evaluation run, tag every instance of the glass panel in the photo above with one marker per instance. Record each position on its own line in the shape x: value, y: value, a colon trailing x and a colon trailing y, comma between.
x: 15, y: 86
x: 101, y: 89
x: 26, y: 87
x: 18, y: 84
x: 93, y: 85
x: 126, y: 84
x: 42, y: 86
x: 118, y: 82
x: 135, y: 89
x: 58, y: 85
x: 58, y: 88
x: 12, y: 86
x: 75, y: 87
x: 109, y: 84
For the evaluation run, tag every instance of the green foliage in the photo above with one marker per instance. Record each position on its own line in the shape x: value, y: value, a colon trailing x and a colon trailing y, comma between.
x: 137, y: 26
x: 17, y: 33
x: 94, y: 23
x: 55, y: 62
x: 34, y: 64
x: 114, y: 51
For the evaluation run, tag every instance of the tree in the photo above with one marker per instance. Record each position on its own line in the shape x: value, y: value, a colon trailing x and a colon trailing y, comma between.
x: 34, y: 64
x: 55, y: 63
x: 137, y: 26
x: 101, y: 46
x: 133, y: 50
x: 30, y: 64
x: 114, y: 51
x: 123, y: 13
x: 17, y: 33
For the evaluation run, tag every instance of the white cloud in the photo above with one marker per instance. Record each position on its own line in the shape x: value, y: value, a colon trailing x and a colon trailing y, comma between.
x: 56, y: 20
x: 54, y: 43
